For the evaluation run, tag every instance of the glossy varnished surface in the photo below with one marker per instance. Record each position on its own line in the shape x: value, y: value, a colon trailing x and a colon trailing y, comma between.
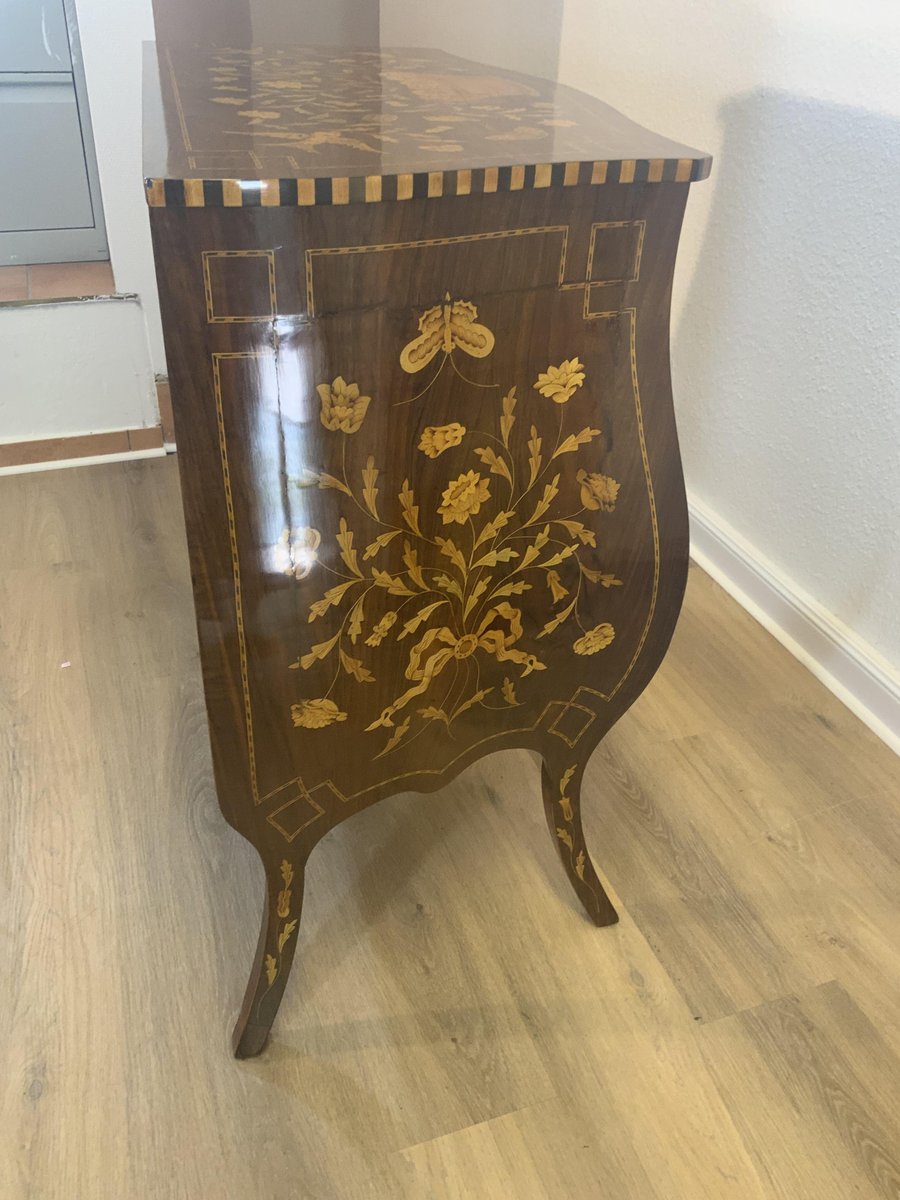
x: 372, y: 125
x: 431, y: 478
x: 433, y: 496
x: 378, y: 532
x: 454, y: 1027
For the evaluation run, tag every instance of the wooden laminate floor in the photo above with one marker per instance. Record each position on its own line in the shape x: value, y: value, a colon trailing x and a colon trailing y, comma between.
x: 454, y: 1026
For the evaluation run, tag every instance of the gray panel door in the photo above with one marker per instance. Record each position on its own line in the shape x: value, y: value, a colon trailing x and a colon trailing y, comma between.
x: 50, y: 207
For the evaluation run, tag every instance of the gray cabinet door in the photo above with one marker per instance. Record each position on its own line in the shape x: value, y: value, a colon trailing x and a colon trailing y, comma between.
x: 33, y: 36
x: 50, y: 207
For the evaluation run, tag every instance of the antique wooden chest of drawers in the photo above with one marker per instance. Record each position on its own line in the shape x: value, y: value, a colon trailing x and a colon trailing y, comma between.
x: 416, y: 319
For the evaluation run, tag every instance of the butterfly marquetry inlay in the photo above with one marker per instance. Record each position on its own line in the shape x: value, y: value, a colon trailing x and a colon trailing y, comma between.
x: 446, y: 327
x: 416, y: 319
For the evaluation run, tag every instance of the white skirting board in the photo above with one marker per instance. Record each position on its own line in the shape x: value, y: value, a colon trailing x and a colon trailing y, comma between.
x: 849, y: 667
x: 88, y: 460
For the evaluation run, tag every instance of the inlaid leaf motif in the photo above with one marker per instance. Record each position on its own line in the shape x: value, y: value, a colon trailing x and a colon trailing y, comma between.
x: 432, y: 713
x: 271, y: 969
x: 565, y: 802
x: 491, y: 459
x: 509, y: 691
x: 285, y: 934
x: 398, y: 735
x: 379, y: 543
x: 419, y: 619
x: 334, y: 595
x: 574, y: 441
x: 492, y: 528
x: 560, y: 556
x: 534, y: 451
x: 551, y: 491
x: 496, y: 556
x: 452, y: 551
x: 587, y: 537
x: 409, y: 507
x: 329, y: 481
x: 344, y: 538
x: 477, y: 592
x: 411, y: 561
x: 446, y: 584
x: 474, y: 699
x: 565, y: 836
x: 354, y: 667
x: 287, y: 872
x: 355, y: 621
x: 558, y: 620
x: 579, y: 865
x: 391, y: 583
x: 600, y: 577
x: 533, y: 551
x: 514, y: 588
x: 320, y: 651
x: 507, y: 419
x: 370, y: 491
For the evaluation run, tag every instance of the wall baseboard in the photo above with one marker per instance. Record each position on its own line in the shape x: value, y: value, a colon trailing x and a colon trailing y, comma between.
x: 848, y: 666
x: 80, y: 450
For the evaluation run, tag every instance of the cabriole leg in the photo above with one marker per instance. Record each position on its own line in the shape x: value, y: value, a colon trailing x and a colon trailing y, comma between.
x: 562, y: 806
x: 274, y: 956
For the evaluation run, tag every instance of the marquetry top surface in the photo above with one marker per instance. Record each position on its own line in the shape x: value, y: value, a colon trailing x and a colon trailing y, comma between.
x: 348, y: 119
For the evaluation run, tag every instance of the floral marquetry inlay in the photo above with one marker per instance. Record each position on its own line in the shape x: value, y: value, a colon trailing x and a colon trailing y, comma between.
x: 434, y: 590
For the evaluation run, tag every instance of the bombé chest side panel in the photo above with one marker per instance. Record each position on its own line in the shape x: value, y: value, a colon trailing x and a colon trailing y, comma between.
x: 431, y: 483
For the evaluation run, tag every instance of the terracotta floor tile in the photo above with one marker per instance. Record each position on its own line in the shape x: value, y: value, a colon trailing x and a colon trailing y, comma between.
x: 13, y: 283
x: 55, y: 281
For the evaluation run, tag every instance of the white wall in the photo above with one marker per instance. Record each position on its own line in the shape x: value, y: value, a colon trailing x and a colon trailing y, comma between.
x: 111, y: 34
x: 521, y: 35
x: 69, y: 368
x: 786, y: 351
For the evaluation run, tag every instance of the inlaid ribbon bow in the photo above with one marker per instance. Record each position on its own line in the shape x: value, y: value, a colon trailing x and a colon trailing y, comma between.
x: 438, y: 647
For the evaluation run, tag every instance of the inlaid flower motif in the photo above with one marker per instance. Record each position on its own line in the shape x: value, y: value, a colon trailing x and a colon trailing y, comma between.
x: 463, y: 498
x: 555, y: 584
x: 297, y: 550
x: 343, y: 408
x: 595, y: 639
x: 382, y: 629
x: 316, y: 714
x: 597, y: 491
x: 438, y: 438
x: 560, y: 383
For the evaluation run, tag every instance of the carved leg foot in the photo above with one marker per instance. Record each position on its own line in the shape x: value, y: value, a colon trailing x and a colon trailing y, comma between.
x: 562, y: 806
x: 274, y: 956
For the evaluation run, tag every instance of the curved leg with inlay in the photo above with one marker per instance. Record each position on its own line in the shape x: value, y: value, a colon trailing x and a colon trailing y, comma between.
x: 562, y: 806
x: 274, y: 956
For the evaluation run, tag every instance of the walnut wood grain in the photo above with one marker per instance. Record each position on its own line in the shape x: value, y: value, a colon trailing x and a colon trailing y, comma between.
x: 271, y: 125
x: 433, y: 499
